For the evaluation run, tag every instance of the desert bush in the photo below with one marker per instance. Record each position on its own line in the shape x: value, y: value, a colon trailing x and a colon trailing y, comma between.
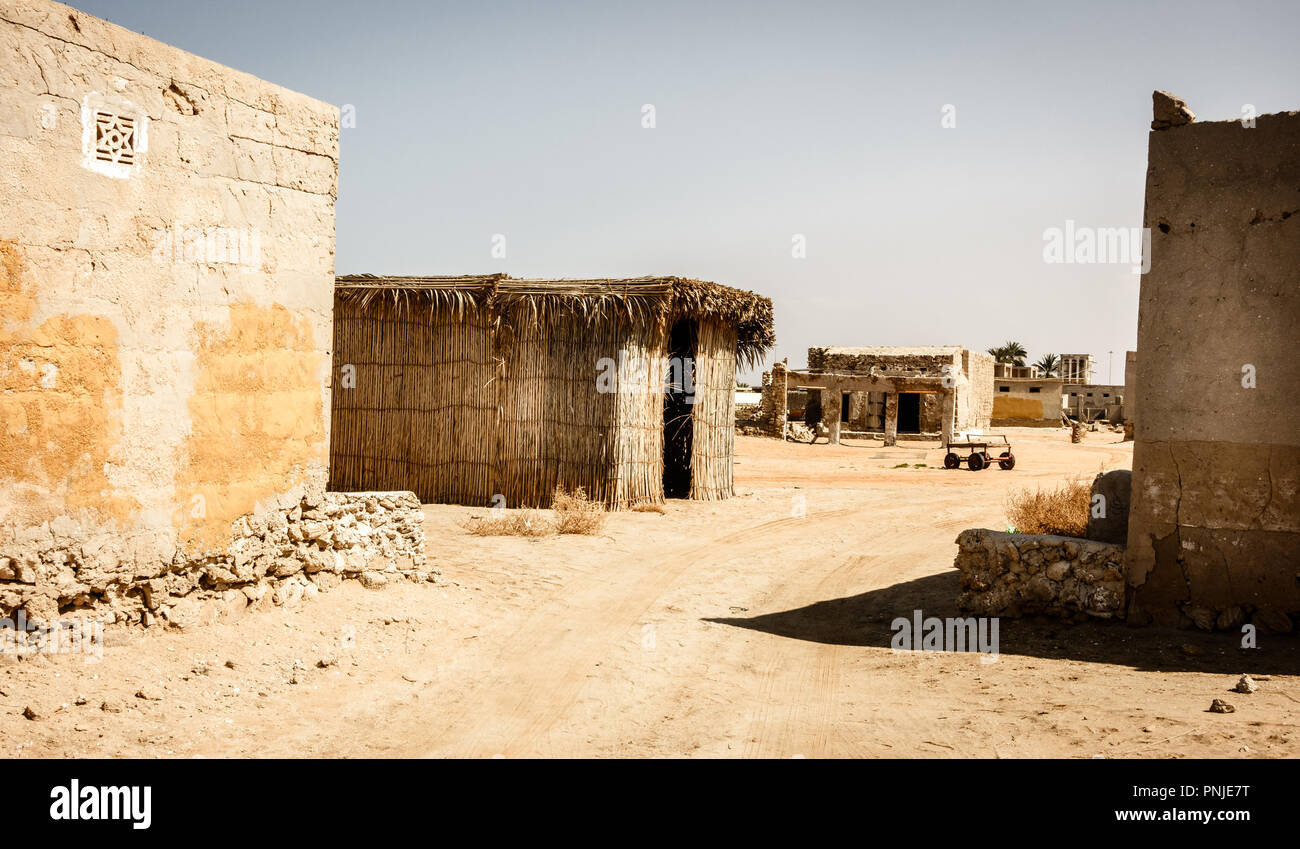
x: 510, y: 523
x: 1062, y: 511
x: 648, y: 507
x: 575, y: 513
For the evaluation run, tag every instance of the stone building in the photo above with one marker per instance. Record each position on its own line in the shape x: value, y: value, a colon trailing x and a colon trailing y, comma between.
x: 166, y: 287
x: 1214, y: 526
x: 919, y: 411
x: 909, y: 389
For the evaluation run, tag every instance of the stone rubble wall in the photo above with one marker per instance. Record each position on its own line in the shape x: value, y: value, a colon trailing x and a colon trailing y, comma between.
x: 920, y: 363
x: 1005, y: 574
x: 275, y: 558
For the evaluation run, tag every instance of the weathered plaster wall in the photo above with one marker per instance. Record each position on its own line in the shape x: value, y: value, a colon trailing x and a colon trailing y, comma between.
x: 1021, y: 407
x: 1130, y: 392
x: 1214, y: 529
x: 164, y: 327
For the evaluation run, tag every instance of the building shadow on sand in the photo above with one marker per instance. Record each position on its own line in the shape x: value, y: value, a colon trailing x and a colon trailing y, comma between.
x: 865, y: 619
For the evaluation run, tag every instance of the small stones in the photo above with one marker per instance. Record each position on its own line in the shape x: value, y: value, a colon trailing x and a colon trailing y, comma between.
x: 327, y: 662
x: 1245, y: 685
x: 373, y: 580
x: 34, y: 713
x: 110, y: 706
x: 148, y: 694
x: 1220, y: 706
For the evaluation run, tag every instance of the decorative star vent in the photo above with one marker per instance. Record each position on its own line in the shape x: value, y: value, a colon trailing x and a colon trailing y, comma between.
x: 114, y: 135
x: 114, y: 138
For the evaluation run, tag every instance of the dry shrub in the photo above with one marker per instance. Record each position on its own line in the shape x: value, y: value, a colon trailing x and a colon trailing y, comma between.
x: 576, y: 513
x: 648, y: 507
x: 511, y: 523
x: 1062, y: 511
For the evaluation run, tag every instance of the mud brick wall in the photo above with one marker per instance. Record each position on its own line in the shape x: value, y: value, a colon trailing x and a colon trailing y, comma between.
x: 1006, y: 574
x: 166, y: 287
x: 1214, y: 531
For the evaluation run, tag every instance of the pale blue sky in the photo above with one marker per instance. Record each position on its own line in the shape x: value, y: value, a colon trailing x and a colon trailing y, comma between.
x: 821, y: 119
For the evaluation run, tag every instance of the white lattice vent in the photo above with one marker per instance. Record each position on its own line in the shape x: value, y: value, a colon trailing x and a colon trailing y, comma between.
x: 114, y: 135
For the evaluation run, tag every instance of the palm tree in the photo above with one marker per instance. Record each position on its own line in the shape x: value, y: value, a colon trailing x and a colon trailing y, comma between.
x: 1012, y: 352
x: 1048, y: 365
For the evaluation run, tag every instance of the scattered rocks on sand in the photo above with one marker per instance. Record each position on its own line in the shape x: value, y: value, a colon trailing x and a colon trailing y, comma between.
x: 1220, y: 706
x: 1245, y: 685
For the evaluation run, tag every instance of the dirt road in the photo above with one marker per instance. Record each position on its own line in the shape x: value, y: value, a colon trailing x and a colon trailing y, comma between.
x: 758, y: 626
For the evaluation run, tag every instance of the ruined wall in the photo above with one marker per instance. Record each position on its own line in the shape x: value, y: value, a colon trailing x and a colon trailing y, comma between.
x: 970, y: 371
x: 1088, y: 399
x: 1214, y: 529
x: 910, y: 361
x: 975, y: 406
x: 166, y: 285
x: 1019, y: 406
x: 1038, y: 574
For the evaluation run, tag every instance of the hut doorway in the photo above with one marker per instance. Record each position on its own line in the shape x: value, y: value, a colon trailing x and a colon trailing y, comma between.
x: 679, y: 403
x: 909, y: 412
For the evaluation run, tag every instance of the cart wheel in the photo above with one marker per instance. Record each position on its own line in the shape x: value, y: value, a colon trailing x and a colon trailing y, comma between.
x: 951, y: 461
x: 975, y: 461
x: 1007, y: 460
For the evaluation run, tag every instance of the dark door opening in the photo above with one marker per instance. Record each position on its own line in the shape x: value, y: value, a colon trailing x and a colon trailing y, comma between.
x: 909, y: 412
x: 844, y: 406
x: 678, y: 409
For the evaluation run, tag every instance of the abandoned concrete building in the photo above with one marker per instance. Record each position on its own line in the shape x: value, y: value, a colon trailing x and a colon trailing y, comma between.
x: 889, y: 390
x: 465, y: 389
x: 1089, y: 401
x: 1214, y: 527
x: 166, y: 284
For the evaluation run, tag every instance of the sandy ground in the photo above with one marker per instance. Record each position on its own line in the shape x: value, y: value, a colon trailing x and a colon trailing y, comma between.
x: 716, y: 629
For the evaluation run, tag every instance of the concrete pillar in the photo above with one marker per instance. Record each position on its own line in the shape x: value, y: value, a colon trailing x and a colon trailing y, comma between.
x: 948, y: 406
x: 831, y: 400
x: 891, y: 418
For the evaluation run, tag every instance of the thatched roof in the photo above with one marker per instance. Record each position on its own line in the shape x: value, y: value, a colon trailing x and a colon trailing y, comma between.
x: 636, y: 298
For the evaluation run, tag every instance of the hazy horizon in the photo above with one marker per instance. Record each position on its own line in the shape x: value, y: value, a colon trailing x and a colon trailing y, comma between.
x: 771, y: 121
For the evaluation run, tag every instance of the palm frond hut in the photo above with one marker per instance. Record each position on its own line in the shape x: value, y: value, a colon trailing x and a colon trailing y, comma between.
x: 462, y: 389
